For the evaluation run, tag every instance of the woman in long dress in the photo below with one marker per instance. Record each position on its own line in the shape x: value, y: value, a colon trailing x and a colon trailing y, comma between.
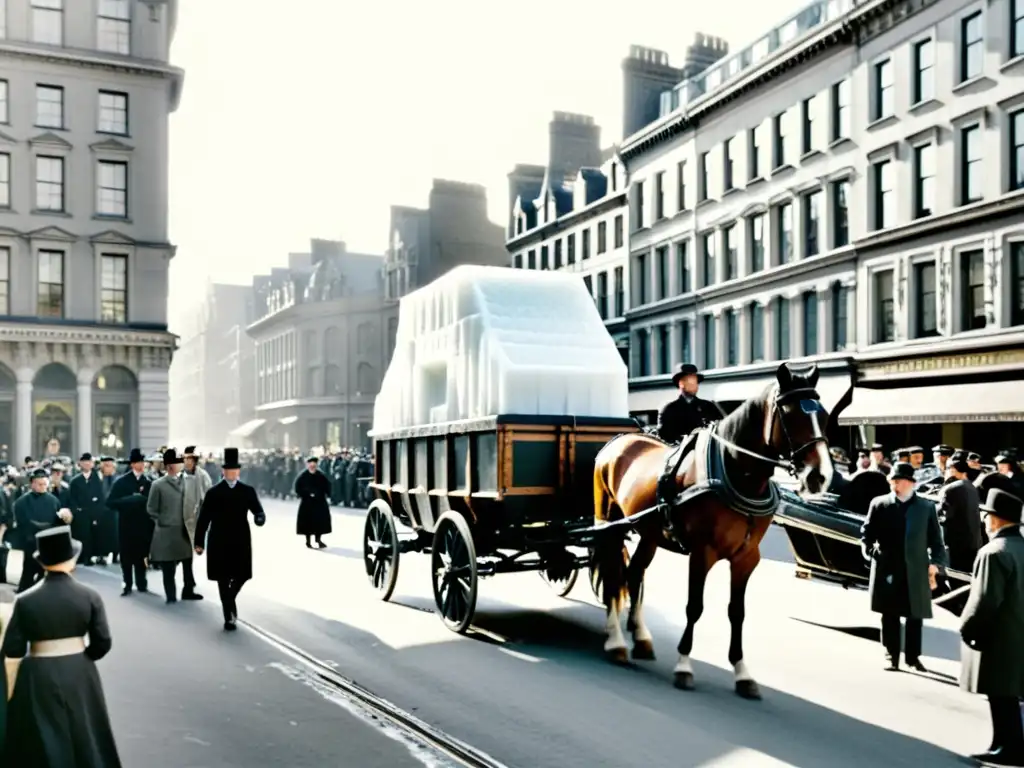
x: 57, y: 716
x: 314, y: 491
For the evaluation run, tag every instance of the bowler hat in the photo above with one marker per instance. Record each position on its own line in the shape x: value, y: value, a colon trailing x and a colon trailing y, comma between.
x: 231, y: 459
x: 136, y: 456
x: 1003, y: 505
x: 86, y: 457
x: 901, y: 470
x: 55, y: 546
x: 170, y: 456
x: 686, y: 369
x: 190, y: 452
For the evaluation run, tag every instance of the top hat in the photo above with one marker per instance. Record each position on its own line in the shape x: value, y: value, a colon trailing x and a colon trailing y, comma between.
x: 136, y: 456
x: 901, y: 470
x: 170, y: 456
x: 85, y: 457
x: 55, y: 546
x: 686, y: 369
x: 231, y: 459
x: 190, y: 452
x: 1003, y: 505
x: 943, y: 449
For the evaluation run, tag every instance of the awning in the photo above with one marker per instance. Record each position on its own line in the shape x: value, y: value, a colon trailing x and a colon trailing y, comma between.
x: 288, y: 420
x: 942, y: 404
x: 247, y: 429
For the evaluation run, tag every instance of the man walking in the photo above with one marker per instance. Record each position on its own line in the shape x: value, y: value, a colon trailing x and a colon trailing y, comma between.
x: 992, y: 660
x: 225, y: 516
x: 902, y: 539
x: 129, y: 496
x: 173, y: 503
x: 85, y: 494
x: 37, y: 510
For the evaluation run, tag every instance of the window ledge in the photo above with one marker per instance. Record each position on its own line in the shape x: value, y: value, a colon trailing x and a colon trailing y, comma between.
x: 706, y: 201
x: 117, y: 135
x: 882, y: 122
x: 1013, y: 63
x: 782, y: 169
x: 756, y: 180
x: 44, y: 212
x: 924, y: 105
x: 974, y: 83
x: 810, y: 155
x: 839, y: 141
x: 111, y: 217
x: 730, y: 191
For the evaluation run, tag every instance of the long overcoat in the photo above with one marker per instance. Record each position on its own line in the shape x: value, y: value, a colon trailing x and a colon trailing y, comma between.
x: 992, y: 624
x: 922, y: 546
x: 85, y: 497
x: 129, y: 497
x: 224, y: 527
x: 313, y: 490
x: 173, y: 505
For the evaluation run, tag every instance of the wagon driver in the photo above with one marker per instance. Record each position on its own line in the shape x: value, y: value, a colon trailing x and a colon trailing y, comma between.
x: 687, y: 412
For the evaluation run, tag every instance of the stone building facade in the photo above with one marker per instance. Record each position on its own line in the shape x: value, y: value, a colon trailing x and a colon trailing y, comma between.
x: 85, y: 95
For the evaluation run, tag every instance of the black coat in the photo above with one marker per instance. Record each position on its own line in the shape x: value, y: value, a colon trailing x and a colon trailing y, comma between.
x: 681, y: 416
x: 34, y: 512
x: 313, y: 490
x: 86, y: 501
x: 134, y: 525
x: 58, y: 717
x: 225, y: 515
x: 962, y: 526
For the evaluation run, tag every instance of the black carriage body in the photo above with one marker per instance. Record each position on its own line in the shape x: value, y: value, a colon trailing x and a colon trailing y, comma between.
x: 824, y: 538
x: 523, y: 483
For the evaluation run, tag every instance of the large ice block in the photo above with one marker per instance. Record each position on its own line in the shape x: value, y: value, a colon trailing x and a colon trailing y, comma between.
x: 483, y: 341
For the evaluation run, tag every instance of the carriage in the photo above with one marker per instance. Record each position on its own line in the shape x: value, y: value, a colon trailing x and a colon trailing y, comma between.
x: 501, y: 391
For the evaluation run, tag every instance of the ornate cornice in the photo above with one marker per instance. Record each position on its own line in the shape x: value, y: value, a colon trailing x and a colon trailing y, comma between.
x: 90, y: 60
x: 24, y: 332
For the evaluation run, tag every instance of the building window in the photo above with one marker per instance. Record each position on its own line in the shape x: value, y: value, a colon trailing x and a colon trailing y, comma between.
x: 840, y: 214
x: 883, y: 90
x: 970, y: 164
x: 754, y: 157
x: 585, y: 246
x: 618, y: 233
x: 681, y: 185
x: 732, y: 331
x: 558, y: 254
x: 114, y: 289
x: 972, y: 282
x: 728, y: 163
x: 924, y: 71
x: 702, y: 177
x: 5, y: 281
x: 710, y: 343
x: 642, y: 272
x: 112, y: 189
x: 807, y: 125
x: 732, y: 254
x: 602, y: 237
x: 588, y: 281
x: 517, y: 263
x: 5, y: 116
x: 924, y: 296
x: 757, y: 242
x: 972, y: 47
x: 782, y: 311
x: 50, y: 300
x: 48, y: 22
x: 812, y: 223
x: 661, y: 271
x: 683, y: 266
x: 784, y: 216
x: 924, y: 180
x: 644, y: 349
x: 659, y: 196
x: 602, y: 295
x: 620, y: 293
x: 49, y: 183
x: 685, y: 352
x: 810, y: 309
x: 756, y: 333
x: 1017, y: 283
x: 570, y: 249
x: 664, y: 350
x: 638, y: 204
x: 885, y: 328
x: 531, y: 260
x: 885, y: 201
x: 1017, y: 148
x: 779, y: 133
x: 5, y: 180
x: 49, y: 106
x: 114, y: 113
x: 545, y: 262
x: 840, y: 318
x: 841, y: 110
x: 709, y: 259
x: 1016, y: 28
x: 114, y: 26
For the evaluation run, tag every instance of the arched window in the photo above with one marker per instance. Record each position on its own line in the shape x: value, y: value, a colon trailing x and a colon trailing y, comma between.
x: 7, y: 380
x: 364, y: 338
x: 332, y: 380
x: 115, y: 378
x: 55, y: 376
x: 366, y: 379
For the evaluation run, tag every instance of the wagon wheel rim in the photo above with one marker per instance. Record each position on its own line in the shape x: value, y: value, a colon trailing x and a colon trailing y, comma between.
x: 561, y: 587
x: 454, y: 574
x: 380, y: 550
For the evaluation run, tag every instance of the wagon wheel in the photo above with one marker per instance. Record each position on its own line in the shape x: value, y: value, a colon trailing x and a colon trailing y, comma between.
x: 561, y: 587
x: 380, y: 548
x: 454, y: 573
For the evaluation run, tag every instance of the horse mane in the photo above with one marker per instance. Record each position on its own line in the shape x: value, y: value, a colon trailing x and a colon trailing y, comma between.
x: 750, y: 411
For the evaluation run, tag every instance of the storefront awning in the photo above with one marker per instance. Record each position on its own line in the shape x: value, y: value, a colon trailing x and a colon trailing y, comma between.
x: 945, y: 404
x: 288, y: 420
x: 246, y: 430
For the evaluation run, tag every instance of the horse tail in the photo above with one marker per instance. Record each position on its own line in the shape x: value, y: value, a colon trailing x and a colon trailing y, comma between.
x: 610, y: 555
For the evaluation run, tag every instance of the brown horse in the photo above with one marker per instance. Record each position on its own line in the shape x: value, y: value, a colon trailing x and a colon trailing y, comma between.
x: 783, y: 427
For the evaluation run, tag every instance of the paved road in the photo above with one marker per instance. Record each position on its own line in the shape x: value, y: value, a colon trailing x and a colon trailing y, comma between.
x: 531, y: 687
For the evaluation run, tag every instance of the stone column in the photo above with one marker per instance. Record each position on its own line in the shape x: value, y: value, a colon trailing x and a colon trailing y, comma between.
x: 83, y: 418
x: 675, y: 343
x: 23, y: 415
x: 796, y: 324
x: 770, y: 308
x: 850, y: 287
x: 826, y: 331
x: 743, y: 317
x: 697, y: 340
x: 720, y: 341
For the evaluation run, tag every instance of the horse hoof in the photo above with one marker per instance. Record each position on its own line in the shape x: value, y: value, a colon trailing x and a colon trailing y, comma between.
x: 684, y: 681
x: 617, y: 655
x: 747, y: 689
x: 643, y: 650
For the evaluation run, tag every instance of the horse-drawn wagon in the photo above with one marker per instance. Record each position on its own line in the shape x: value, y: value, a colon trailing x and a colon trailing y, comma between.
x: 502, y: 389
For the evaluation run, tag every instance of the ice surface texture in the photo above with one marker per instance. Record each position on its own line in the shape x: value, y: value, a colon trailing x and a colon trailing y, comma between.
x: 482, y: 341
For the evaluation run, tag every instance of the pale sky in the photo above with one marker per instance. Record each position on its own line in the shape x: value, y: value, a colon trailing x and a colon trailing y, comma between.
x: 314, y: 117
